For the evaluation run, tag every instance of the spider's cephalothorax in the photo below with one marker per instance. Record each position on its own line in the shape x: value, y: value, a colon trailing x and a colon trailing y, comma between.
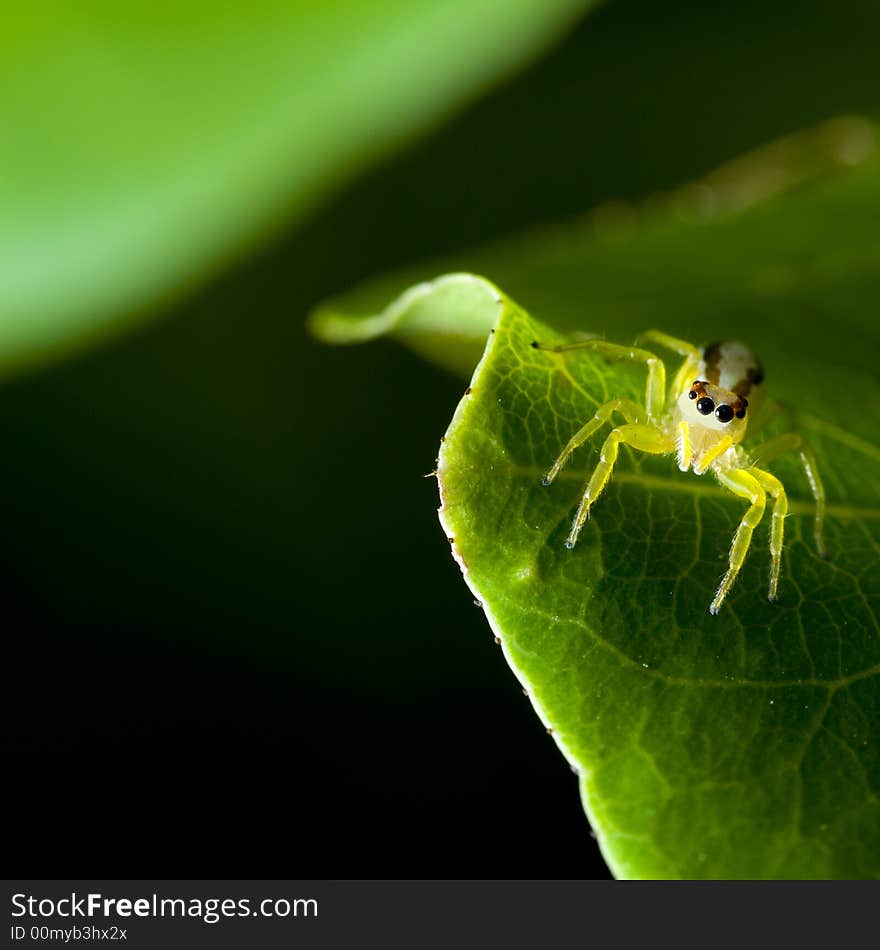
x: 712, y: 413
x: 715, y: 393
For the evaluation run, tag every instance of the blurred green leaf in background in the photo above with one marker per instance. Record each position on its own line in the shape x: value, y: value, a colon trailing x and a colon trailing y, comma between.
x: 785, y: 236
x: 141, y: 143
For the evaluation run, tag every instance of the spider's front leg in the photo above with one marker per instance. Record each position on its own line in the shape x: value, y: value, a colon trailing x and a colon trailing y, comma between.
x: 772, y: 485
x: 626, y: 407
x: 692, y: 356
x: 645, y: 438
x: 655, y: 390
x: 741, y: 483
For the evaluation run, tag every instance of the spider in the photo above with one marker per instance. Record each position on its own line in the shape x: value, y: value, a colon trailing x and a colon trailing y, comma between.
x: 705, y: 420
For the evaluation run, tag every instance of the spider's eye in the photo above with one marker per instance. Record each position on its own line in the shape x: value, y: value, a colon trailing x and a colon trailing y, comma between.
x: 692, y: 394
x: 705, y: 406
x: 740, y: 413
x: 724, y: 413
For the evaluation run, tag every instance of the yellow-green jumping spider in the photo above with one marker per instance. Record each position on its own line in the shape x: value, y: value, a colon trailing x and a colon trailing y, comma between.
x: 715, y: 392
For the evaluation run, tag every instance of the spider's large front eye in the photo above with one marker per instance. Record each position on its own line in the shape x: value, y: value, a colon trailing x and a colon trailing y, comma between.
x: 705, y: 406
x: 724, y: 413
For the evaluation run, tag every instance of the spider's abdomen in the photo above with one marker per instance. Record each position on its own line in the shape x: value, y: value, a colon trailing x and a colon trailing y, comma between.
x: 732, y: 366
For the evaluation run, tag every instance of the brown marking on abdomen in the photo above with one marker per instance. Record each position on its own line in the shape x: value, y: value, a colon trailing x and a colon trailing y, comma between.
x: 712, y: 359
x: 754, y: 377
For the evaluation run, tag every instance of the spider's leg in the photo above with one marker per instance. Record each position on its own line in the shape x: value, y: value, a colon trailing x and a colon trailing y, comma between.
x: 717, y: 450
x: 683, y: 445
x: 772, y: 485
x: 682, y: 347
x: 792, y: 442
x: 626, y: 407
x: 655, y: 391
x: 741, y: 483
x: 645, y: 438
x: 687, y: 373
x: 692, y: 356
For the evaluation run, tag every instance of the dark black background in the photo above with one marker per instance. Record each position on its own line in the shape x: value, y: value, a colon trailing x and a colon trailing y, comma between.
x: 236, y: 644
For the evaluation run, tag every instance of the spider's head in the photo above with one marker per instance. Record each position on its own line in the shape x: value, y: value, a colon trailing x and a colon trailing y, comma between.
x: 715, y: 408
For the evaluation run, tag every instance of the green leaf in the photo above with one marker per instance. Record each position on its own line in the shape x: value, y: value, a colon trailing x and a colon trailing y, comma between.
x: 741, y: 745
x: 143, y: 143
